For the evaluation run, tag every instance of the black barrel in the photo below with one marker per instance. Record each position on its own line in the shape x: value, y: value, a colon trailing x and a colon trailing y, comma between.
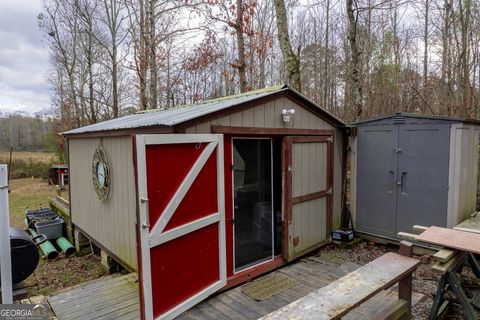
x: 25, y: 255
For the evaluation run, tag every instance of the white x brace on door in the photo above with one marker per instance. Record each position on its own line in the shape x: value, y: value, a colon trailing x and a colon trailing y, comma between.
x: 180, y: 186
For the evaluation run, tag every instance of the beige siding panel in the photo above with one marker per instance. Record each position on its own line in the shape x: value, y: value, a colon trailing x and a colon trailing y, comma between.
x: 277, y: 114
x: 259, y: 116
x: 192, y: 129
x: 309, y: 223
x: 112, y: 222
x: 247, y: 117
x: 269, y: 114
x: 204, y: 127
x: 236, y: 120
x: 309, y: 168
x: 223, y: 121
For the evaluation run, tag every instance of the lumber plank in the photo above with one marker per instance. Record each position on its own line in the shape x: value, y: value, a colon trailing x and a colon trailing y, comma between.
x: 470, y: 225
x: 444, y: 255
x: 450, y: 264
x: 407, y: 236
x: 339, y: 297
x: 450, y: 238
x: 419, y: 228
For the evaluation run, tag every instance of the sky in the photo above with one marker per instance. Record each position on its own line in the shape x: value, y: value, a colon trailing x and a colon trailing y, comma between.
x: 23, y: 58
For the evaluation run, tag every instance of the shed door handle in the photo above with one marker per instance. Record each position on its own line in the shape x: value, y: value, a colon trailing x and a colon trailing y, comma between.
x: 391, y: 173
x: 403, y: 181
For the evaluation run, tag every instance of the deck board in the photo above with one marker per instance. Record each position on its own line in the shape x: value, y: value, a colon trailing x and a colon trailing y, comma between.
x: 311, y: 274
x: 116, y: 297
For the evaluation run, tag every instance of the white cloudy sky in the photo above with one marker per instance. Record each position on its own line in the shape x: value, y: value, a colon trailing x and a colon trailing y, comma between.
x: 23, y: 58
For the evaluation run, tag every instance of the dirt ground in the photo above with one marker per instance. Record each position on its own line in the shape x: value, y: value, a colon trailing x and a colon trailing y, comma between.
x: 52, y: 276
x: 424, y: 279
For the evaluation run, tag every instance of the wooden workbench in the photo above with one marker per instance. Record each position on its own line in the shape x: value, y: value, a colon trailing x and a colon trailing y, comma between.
x: 465, y: 244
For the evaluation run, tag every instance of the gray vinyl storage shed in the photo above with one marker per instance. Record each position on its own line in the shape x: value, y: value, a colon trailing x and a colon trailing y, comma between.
x: 410, y: 169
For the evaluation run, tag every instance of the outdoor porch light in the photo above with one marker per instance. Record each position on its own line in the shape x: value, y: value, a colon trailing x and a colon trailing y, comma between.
x: 286, y: 114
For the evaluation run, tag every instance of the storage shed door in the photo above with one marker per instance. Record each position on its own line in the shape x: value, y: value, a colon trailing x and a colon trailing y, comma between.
x: 308, y: 193
x: 181, y: 221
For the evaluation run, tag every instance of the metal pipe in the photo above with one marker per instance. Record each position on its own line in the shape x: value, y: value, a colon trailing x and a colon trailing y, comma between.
x: 66, y: 246
x: 47, y: 248
x: 5, y: 254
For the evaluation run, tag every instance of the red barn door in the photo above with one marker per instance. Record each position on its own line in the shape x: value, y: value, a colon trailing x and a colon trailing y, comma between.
x: 181, y: 221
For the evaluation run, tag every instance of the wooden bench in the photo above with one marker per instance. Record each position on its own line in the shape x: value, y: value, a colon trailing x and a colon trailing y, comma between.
x: 340, y: 297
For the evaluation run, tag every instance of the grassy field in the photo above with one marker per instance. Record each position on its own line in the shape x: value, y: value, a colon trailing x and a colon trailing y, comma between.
x: 28, y: 164
x: 47, y: 157
x: 28, y: 194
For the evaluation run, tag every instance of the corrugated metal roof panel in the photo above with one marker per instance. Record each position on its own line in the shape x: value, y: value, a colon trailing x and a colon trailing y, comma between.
x: 177, y: 115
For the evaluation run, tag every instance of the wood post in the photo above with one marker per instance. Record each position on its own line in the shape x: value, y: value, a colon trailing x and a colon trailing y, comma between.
x: 405, y: 284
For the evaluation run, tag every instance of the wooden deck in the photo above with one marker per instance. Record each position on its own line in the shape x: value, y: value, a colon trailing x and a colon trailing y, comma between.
x: 116, y: 297
x: 311, y: 273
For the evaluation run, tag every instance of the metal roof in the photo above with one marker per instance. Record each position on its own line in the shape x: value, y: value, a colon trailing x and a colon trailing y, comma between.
x: 418, y: 116
x: 177, y: 115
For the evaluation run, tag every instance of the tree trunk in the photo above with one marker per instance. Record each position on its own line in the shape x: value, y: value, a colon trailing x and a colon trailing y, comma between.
x: 152, y: 54
x: 142, y: 57
x: 290, y: 58
x: 240, y: 64
x: 355, y: 61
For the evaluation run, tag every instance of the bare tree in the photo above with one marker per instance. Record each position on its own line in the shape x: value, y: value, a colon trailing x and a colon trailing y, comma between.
x: 290, y: 58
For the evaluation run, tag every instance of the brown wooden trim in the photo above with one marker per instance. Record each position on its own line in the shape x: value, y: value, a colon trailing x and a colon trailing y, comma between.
x: 286, y: 195
x: 312, y: 139
x: 330, y: 187
x: 137, y: 230
x: 110, y: 253
x: 270, y: 131
x: 254, y: 272
x: 310, y: 196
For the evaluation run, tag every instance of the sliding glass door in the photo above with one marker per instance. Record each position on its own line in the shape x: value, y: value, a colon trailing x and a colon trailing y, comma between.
x: 253, y: 201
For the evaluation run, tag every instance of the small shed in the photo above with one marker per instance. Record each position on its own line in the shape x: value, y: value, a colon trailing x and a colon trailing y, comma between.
x: 58, y: 175
x: 410, y: 169
x: 206, y: 196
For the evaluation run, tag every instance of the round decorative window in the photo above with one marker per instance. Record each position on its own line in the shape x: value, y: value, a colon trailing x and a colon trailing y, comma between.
x: 101, y: 174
